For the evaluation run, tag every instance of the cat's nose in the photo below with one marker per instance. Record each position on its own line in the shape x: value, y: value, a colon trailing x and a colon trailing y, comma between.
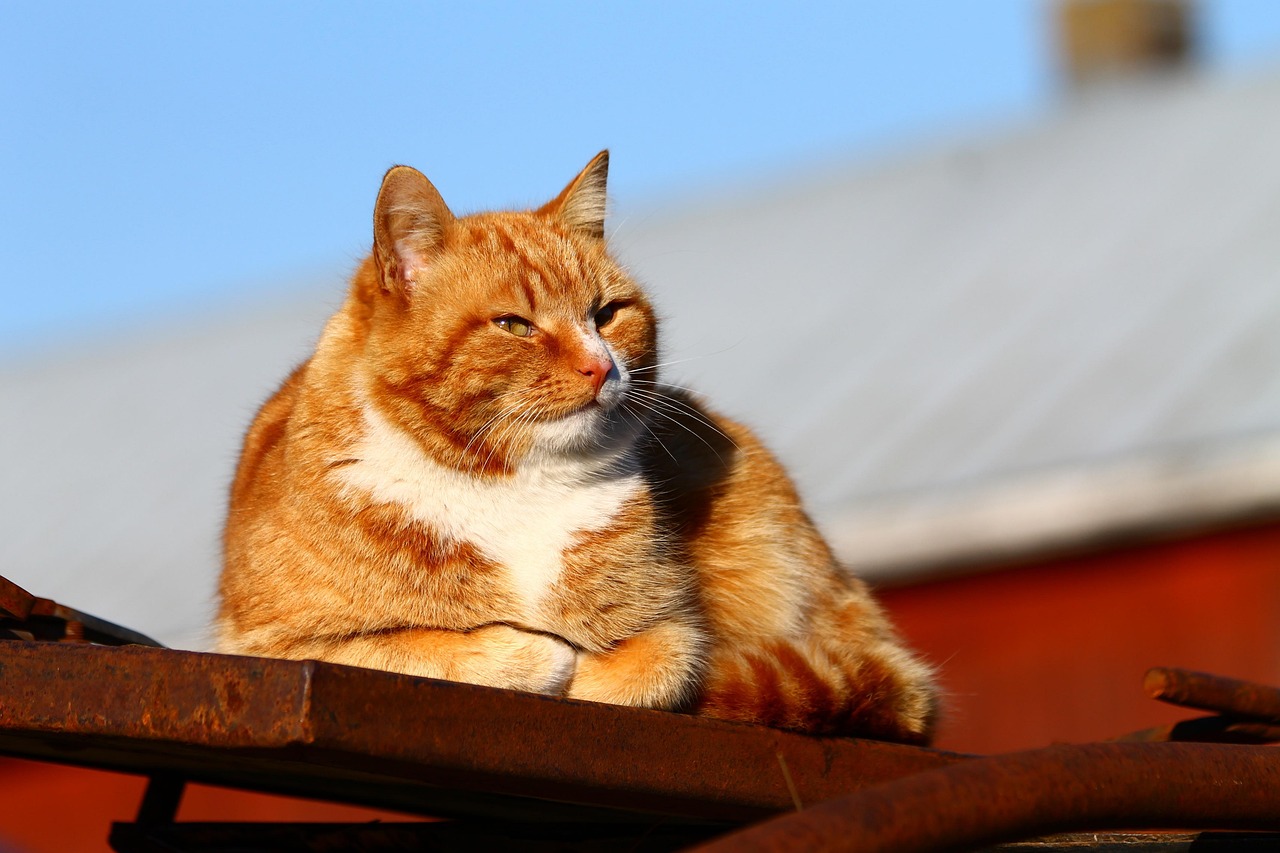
x: 596, y: 368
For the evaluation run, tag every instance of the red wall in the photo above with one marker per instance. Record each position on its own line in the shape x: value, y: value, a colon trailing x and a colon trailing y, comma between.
x: 1056, y: 652
x: 48, y: 808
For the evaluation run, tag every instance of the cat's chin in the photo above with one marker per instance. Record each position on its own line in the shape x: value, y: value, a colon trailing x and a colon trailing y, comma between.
x: 591, y: 431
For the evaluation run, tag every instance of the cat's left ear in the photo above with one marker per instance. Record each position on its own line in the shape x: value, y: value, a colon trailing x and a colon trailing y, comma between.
x: 409, y: 221
x: 581, y: 205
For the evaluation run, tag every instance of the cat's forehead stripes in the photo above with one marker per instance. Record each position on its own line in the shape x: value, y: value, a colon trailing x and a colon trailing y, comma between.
x: 542, y: 259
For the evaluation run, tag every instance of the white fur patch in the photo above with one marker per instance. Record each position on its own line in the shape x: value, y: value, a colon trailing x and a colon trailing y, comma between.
x: 562, y: 673
x: 524, y: 522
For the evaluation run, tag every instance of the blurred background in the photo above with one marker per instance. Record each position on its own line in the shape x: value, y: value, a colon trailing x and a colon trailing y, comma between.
x: 999, y: 281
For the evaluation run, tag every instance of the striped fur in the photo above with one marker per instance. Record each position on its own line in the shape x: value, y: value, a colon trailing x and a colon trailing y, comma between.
x: 478, y: 477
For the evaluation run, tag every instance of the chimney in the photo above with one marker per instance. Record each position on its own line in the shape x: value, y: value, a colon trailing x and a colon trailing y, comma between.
x: 1105, y: 41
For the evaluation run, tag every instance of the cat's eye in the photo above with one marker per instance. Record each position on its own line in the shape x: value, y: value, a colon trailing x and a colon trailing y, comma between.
x: 517, y: 326
x: 605, y: 315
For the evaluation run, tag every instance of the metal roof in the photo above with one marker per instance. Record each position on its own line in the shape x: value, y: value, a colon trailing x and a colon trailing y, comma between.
x: 1041, y: 321
x: 1098, y: 292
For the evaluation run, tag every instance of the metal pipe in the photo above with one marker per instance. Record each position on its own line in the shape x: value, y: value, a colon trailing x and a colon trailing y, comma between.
x: 1022, y: 795
x: 1228, y: 696
x: 1218, y: 729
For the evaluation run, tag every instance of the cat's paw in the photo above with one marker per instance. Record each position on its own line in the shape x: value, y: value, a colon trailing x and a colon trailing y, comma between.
x: 658, y: 668
x: 523, y: 660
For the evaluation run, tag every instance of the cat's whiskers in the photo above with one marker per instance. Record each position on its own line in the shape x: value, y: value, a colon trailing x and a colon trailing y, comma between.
x: 514, y: 392
x: 501, y: 436
x: 671, y: 386
x: 662, y: 364
x: 657, y: 408
x: 479, y: 434
x: 661, y: 402
x: 677, y: 412
x: 489, y: 431
x: 644, y: 424
x: 686, y: 360
x: 487, y: 426
x: 511, y: 427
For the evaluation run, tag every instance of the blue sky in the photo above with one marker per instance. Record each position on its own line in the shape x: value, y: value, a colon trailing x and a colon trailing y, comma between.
x: 170, y: 158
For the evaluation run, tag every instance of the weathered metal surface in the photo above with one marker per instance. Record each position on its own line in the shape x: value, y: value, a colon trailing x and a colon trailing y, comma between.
x: 1207, y: 730
x: 467, y: 837
x: 438, y: 837
x: 1242, y: 700
x: 1022, y: 795
x: 29, y: 617
x: 1147, y: 842
x: 432, y: 747
x: 445, y: 749
x: 15, y: 602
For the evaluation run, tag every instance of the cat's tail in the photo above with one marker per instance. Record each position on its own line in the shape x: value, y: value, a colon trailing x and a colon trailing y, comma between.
x: 881, y: 691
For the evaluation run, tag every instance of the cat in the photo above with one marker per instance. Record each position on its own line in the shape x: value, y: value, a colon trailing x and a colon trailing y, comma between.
x: 477, y: 476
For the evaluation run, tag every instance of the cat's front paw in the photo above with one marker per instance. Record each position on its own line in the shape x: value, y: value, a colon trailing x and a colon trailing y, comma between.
x: 658, y: 668
x: 523, y: 660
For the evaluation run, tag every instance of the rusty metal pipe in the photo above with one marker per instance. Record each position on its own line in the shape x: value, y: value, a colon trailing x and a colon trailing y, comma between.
x: 1228, y: 696
x: 1022, y: 795
x: 1219, y: 729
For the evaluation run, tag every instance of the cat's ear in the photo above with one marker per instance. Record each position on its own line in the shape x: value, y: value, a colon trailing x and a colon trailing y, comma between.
x: 581, y: 205
x: 409, y: 221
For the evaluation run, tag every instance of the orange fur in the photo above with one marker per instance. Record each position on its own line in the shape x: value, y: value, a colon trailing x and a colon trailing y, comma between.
x: 477, y: 476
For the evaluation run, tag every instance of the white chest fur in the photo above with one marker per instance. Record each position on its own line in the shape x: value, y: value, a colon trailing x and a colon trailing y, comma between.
x: 524, y: 522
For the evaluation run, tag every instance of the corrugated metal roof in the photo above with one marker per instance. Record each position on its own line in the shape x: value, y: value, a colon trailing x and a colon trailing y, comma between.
x: 917, y: 339
x: 1106, y: 283
x: 1101, y: 287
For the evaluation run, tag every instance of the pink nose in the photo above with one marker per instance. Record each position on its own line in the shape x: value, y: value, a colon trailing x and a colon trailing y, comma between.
x: 595, y: 368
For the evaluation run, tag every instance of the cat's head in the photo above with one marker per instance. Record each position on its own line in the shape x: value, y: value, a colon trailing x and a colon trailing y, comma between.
x: 500, y: 338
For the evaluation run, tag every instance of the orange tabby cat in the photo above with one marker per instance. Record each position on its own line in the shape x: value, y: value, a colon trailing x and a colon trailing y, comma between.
x: 478, y: 477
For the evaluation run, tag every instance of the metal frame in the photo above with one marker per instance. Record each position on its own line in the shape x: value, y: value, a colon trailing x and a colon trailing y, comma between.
x: 528, y: 771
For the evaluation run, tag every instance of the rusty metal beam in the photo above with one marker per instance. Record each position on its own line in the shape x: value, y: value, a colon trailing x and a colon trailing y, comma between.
x: 15, y: 602
x: 467, y: 837
x: 26, y: 616
x: 435, y: 836
x: 1058, y: 789
x: 412, y: 744
x: 1242, y: 700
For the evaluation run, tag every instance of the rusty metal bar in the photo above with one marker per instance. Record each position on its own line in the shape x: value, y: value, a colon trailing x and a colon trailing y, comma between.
x: 1058, y: 789
x: 1228, y: 696
x: 439, y: 836
x: 15, y: 602
x: 1216, y: 729
x: 413, y: 744
x: 29, y: 617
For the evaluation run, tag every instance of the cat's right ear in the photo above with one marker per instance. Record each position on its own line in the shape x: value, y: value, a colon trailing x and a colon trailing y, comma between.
x: 409, y: 221
x: 581, y: 205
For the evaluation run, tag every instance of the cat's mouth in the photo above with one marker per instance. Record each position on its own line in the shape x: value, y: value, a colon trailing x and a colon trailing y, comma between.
x: 597, y: 424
